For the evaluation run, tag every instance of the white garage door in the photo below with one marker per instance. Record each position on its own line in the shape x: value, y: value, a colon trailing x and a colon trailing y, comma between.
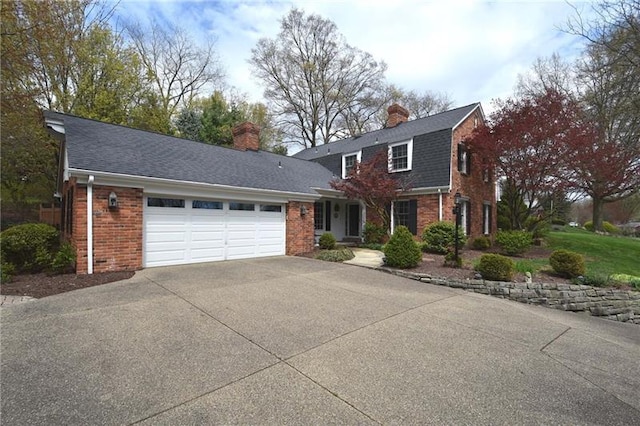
x: 187, y: 230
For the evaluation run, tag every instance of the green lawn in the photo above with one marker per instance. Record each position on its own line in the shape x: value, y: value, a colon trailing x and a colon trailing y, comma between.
x: 604, y: 255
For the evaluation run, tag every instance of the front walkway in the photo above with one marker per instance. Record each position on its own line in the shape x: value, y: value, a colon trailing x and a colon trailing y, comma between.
x: 7, y: 301
x: 366, y: 257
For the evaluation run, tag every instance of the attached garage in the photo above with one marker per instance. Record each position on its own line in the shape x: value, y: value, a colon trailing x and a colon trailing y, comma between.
x: 189, y: 230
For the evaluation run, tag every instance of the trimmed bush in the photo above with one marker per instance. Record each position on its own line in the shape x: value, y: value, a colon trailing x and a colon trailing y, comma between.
x: 327, y: 241
x: 514, y: 243
x: 610, y: 228
x: 30, y: 246
x: 339, y: 255
x: 402, y: 251
x: 495, y: 267
x: 481, y: 243
x: 6, y: 272
x: 607, y: 227
x: 567, y: 263
x: 440, y: 236
x: 64, y: 262
x: 373, y: 233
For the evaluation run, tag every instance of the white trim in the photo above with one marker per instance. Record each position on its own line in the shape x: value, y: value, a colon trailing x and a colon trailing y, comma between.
x: 439, y: 205
x: 170, y: 186
x: 427, y: 190
x: 478, y: 106
x: 358, y: 155
x: 390, y: 147
x: 90, y: 224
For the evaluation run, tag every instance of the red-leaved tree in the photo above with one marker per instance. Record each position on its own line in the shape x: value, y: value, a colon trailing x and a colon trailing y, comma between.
x: 529, y: 140
x: 370, y: 182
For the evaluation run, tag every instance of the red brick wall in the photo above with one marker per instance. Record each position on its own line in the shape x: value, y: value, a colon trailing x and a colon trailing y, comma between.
x: 117, y: 233
x: 300, y: 230
x: 472, y: 185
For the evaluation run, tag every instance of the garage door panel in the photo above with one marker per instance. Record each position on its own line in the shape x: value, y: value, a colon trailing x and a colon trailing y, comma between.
x: 190, y: 235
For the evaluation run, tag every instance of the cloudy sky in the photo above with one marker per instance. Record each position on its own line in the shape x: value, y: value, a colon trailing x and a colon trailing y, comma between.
x: 471, y: 50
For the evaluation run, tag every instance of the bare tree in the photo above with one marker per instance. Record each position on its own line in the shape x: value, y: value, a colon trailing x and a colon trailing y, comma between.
x: 312, y: 76
x: 179, y: 69
x: 612, y: 20
x: 552, y: 73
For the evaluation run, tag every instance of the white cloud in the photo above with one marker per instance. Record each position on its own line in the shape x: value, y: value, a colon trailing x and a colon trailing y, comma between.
x: 472, y: 50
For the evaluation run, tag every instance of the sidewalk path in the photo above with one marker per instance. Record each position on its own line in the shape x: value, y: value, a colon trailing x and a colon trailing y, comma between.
x: 366, y: 257
x: 7, y: 301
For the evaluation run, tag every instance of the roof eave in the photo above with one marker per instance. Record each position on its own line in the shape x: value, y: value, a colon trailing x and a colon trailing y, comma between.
x: 155, y: 184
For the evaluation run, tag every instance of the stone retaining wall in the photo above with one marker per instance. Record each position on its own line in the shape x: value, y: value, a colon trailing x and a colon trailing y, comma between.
x: 613, y: 304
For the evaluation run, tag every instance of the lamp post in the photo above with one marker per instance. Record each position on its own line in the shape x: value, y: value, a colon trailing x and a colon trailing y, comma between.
x: 456, y: 212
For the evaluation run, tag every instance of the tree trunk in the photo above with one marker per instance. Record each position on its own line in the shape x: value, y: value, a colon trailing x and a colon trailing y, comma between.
x: 598, y: 204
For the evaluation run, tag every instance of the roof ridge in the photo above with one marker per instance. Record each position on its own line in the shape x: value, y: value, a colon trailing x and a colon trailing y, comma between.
x: 163, y: 134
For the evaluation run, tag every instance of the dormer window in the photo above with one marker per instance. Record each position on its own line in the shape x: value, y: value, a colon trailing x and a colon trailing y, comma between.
x: 400, y: 156
x: 349, y: 161
x: 464, y: 160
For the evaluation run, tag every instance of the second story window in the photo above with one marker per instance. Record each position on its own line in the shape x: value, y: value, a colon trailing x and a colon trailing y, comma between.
x: 464, y: 159
x: 400, y: 156
x: 348, y: 163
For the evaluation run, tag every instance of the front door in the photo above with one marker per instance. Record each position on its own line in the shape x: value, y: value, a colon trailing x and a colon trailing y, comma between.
x: 353, y: 220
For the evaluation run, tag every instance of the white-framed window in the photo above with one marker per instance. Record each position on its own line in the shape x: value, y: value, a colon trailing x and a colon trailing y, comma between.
x: 349, y: 161
x: 464, y: 162
x: 465, y: 216
x: 318, y: 216
x: 400, y: 156
x: 486, y: 218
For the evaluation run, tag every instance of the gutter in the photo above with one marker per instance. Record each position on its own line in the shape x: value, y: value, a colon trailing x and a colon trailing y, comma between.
x: 90, y: 224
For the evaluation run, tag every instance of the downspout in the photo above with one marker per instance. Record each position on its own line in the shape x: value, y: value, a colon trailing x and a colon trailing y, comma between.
x: 90, y: 224
x: 440, y: 204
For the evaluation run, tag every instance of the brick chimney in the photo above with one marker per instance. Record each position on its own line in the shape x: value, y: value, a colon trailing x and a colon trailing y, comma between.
x: 397, y: 115
x: 246, y: 136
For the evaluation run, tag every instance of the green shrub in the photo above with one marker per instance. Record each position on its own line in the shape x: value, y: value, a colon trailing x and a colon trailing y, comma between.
x: 30, y: 246
x: 595, y: 280
x: 627, y: 279
x: 495, y: 267
x: 339, y: 255
x: 606, y: 227
x: 64, y: 261
x: 513, y: 243
x: 567, y: 263
x: 610, y: 228
x: 481, y: 243
x: 440, y: 236
x: 327, y: 241
x: 6, y: 272
x: 402, y: 251
x: 559, y: 222
x: 373, y: 233
x: 373, y: 246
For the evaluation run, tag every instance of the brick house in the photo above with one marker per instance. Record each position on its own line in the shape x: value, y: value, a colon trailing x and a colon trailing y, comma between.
x: 133, y: 199
x: 430, y: 154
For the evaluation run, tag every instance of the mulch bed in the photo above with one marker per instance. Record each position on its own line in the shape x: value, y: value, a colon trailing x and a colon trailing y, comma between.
x: 43, y: 285
x: 433, y: 264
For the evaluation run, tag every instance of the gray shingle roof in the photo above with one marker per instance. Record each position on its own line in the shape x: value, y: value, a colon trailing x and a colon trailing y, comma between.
x: 433, y: 123
x: 101, y: 147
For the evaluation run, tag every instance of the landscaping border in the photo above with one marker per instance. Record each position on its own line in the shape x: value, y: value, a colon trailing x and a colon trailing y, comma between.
x: 609, y: 303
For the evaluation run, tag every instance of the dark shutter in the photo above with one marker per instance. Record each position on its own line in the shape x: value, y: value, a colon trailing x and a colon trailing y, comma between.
x: 413, y: 217
x: 460, y: 150
x: 468, y: 170
x: 327, y: 217
x: 468, y: 224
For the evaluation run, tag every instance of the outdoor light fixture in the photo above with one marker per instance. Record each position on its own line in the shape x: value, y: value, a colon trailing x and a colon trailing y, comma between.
x: 456, y: 212
x: 303, y: 210
x: 113, y: 201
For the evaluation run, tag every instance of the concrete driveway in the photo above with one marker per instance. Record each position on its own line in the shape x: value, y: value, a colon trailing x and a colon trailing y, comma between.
x: 297, y: 341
